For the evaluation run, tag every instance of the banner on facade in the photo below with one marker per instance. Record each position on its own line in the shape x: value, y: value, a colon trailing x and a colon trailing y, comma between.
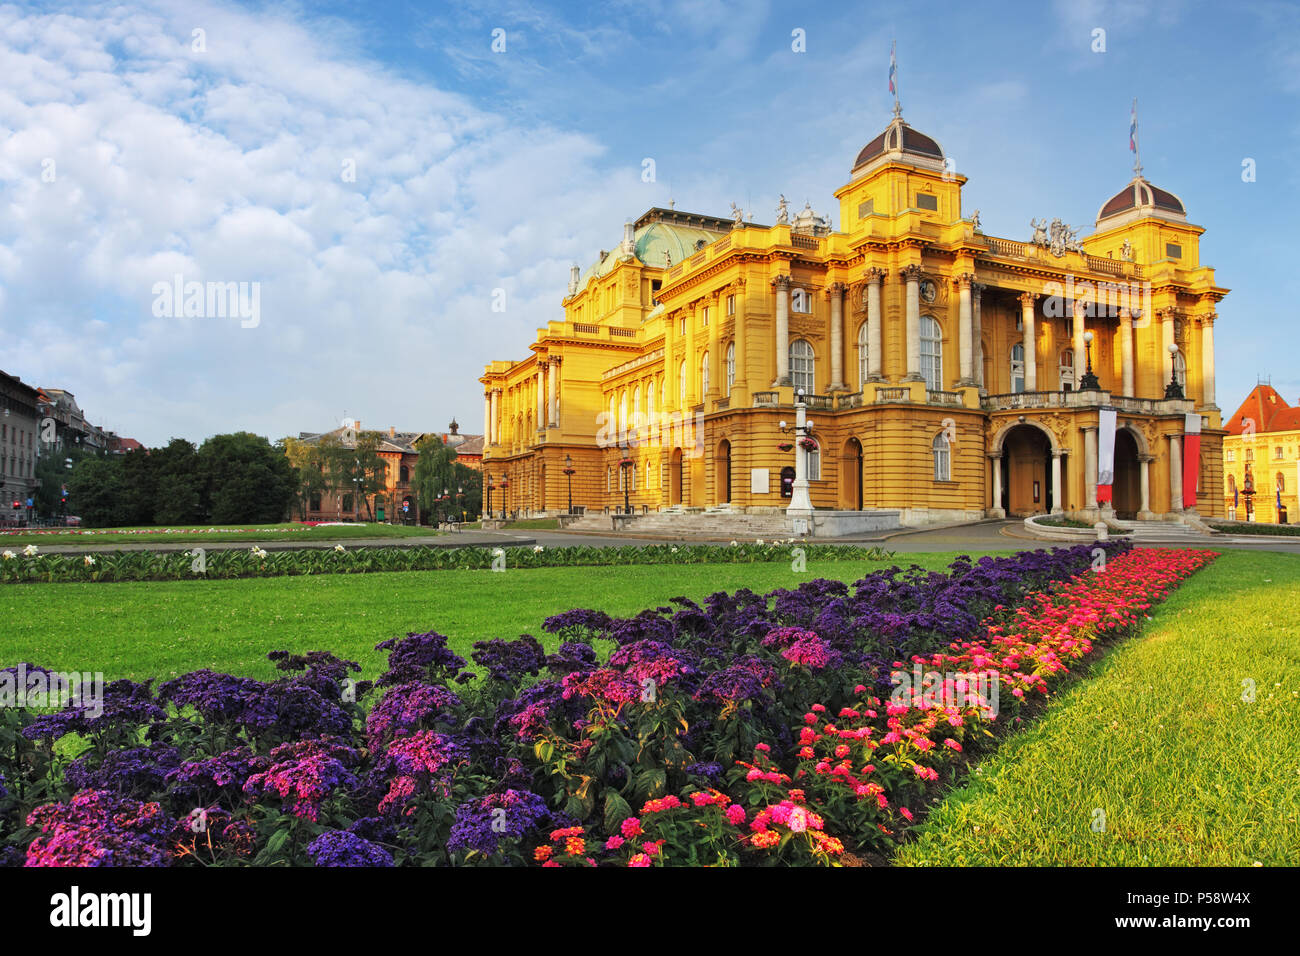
x: 1191, y: 458
x: 1105, y: 453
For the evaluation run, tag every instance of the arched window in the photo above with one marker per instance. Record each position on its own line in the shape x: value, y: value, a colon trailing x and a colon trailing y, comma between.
x: 612, y: 422
x: 1018, y: 367
x: 609, y: 478
x: 731, y: 367
x: 1067, y: 370
x: 931, y: 353
x: 636, y: 412
x: 801, y: 366
x: 622, y: 419
x: 681, y: 385
x: 650, y: 409
x: 863, y: 355
x: 704, y: 375
x: 942, y: 457
x: 815, y: 461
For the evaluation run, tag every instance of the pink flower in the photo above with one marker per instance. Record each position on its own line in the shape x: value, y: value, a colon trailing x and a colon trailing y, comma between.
x: 736, y: 814
x: 614, y: 842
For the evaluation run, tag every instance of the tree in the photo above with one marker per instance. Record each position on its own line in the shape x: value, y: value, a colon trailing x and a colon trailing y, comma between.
x: 53, y: 474
x: 180, y: 485
x: 245, y: 479
x: 95, y: 488
x: 435, y: 473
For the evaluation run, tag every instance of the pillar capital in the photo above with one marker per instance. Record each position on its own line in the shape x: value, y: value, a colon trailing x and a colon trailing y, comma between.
x: 834, y: 289
x: 875, y: 275
x: 965, y: 280
x: 781, y: 283
x: 1208, y: 318
x: 1027, y: 299
x: 910, y: 273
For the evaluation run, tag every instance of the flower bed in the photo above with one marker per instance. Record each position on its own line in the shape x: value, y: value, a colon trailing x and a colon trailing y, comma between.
x: 29, y: 565
x: 694, y: 743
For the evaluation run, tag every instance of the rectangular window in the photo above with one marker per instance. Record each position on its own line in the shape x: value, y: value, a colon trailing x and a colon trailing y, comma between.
x: 1277, y: 452
x: 1229, y: 455
x: 1173, y: 250
x: 705, y: 319
x: 927, y: 201
x: 866, y: 209
x: 731, y: 305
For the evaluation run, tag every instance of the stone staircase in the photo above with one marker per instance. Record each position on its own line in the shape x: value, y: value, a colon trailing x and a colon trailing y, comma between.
x: 711, y: 522
x: 1141, y: 532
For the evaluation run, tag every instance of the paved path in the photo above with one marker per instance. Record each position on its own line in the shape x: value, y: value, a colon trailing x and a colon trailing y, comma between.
x: 982, y: 536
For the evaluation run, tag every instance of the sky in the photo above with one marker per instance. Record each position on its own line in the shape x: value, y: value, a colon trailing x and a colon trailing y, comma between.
x: 380, y: 175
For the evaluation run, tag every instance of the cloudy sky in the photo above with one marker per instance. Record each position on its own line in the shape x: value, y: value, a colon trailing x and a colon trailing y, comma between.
x: 379, y: 170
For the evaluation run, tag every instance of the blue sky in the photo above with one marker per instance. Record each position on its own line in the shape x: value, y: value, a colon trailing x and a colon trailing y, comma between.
x: 479, y: 170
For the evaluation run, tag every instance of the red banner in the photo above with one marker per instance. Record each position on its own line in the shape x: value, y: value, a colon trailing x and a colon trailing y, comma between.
x: 1191, y: 459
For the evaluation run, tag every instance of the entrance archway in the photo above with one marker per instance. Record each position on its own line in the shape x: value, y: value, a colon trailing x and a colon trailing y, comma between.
x: 1027, y: 467
x: 1128, y: 476
x: 851, y: 475
x: 723, y: 473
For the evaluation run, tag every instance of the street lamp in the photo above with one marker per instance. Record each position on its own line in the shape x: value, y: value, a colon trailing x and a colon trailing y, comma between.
x: 1173, y: 389
x: 800, y: 506
x: 490, y: 486
x: 505, y: 485
x: 625, y: 464
x: 1089, y: 381
x: 568, y: 470
x: 356, y: 496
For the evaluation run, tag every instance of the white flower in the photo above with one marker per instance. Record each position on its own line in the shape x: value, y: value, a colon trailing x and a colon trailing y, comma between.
x: 497, y: 552
x: 8, y: 555
x: 733, y: 544
x: 759, y: 541
x: 90, y: 559
x: 674, y: 550
x: 538, y: 549
x: 259, y: 553
x: 339, y: 548
x: 30, y: 550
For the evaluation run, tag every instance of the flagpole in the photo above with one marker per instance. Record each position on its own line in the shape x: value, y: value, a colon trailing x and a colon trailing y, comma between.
x: 1137, y: 148
x: 893, y: 77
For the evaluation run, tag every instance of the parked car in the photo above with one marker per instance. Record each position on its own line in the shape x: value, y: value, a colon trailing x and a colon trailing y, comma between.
x: 72, y: 521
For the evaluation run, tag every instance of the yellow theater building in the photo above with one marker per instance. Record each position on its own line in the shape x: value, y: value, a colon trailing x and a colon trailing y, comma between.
x: 947, y: 374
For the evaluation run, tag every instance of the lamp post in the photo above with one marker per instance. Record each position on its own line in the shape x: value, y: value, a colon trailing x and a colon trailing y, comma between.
x: 489, y: 496
x: 1173, y: 389
x: 356, y: 493
x: 568, y: 470
x: 505, y: 484
x: 1089, y: 381
x: 624, y: 464
x: 800, y: 507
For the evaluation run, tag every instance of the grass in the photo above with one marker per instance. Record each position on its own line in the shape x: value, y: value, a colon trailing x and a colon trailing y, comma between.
x: 1158, y: 739
x: 251, y: 533
x: 529, y: 524
x: 1064, y: 522
x: 161, y: 629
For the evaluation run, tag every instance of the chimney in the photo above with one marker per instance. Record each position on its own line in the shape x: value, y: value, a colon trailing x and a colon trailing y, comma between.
x: 392, y: 432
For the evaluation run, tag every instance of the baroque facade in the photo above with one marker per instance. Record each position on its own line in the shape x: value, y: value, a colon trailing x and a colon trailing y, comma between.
x: 1261, y: 459
x: 947, y: 373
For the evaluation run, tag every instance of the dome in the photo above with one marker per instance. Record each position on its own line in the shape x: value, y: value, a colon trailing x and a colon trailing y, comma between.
x: 1139, y: 195
x: 659, y: 244
x: 899, y: 138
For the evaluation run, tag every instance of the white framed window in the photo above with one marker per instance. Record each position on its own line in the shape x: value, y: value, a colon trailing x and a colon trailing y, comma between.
x: 931, y: 353
x: 637, y: 422
x: 1066, y: 370
x: 650, y: 408
x: 800, y: 301
x: 864, y: 356
x: 1229, y: 455
x: 815, y: 461
x: 622, y: 419
x: 1018, y: 367
x: 731, y: 367
x: 802, y: 372
x: 705, y: 318
x: 704, y: 375
x: 1277, y: 453
x: 731, y: 305
x: 609, y: 478
x: 942, y: 457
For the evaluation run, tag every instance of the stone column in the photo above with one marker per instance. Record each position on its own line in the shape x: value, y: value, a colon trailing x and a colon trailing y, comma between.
x: 487, y: 417
x: 912, y: 276
x: 496, y: 417
x: 1126, y: 349
x: 1207, y: 361
x: 668, y: 400
x: 1080, y: 352
x: 740, y: 390
x: 996, y: 510
x: 553, y: 395
x: 693, y: 373
x: 977, y: 334
x: 967, y: 324
x: 541, y: 394
x: 1090, y: 467
x: 782, y: 286
x: 717, y: 362
x: 1029, y: 340
x: 875, y: 331
x: 835, y: 292
x: 1166, y: 340
x: 1176, y: 474
x: 1144, y: 513
x: 1056, y: 483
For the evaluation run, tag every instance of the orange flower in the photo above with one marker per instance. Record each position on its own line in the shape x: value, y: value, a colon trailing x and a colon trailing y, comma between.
x: 542, y: 853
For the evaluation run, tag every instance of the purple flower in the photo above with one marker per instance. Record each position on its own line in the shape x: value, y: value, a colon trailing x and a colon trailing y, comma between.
x: 97, y: 828
x: 408, y: 707
x: 125, y: 706
x: 571, y: 656
x: 137, y: 771
x: 341, y: 848
x: 306, y: 772
x: 510, y: 661
x: 422, y: 658
x: 482, y: 824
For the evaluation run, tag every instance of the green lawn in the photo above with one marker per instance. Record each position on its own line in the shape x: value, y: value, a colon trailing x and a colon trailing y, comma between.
x: 162, y: 629
x: 253, y: 533
x: 1160, y: 740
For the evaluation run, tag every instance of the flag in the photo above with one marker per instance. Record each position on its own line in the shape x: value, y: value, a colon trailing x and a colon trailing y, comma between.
x: 893, y: 68
x: 1132, y: 128
x: 1191, y: 458
x: 1106, y: 421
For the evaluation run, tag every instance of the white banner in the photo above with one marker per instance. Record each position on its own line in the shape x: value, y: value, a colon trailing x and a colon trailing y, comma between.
x: 1106, y: 419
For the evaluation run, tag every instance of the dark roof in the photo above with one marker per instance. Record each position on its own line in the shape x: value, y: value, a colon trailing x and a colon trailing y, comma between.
x: 912, y: 141
x: 471, y: 447
x: 1138, y: 193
